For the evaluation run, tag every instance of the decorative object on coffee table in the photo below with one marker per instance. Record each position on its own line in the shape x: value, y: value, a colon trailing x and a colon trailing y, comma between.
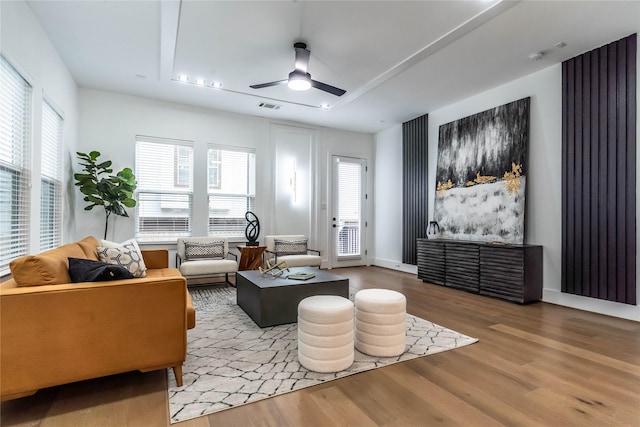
x: 274, y: 270
x: 325, y: 333
x: 302, y: 275
x: 253, y: 228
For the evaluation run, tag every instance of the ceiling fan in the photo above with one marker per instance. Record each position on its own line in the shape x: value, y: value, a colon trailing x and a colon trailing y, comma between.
x: 299, y: 79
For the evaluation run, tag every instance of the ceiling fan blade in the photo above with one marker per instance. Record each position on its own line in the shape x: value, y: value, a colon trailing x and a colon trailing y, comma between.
x: 276, y: 83
x: 328, y: 88
x: 302, y: 56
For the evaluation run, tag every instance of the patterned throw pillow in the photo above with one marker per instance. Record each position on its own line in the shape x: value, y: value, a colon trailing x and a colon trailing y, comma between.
x: 127, y: 255
x: 290, y: 247
x: 202, y: 250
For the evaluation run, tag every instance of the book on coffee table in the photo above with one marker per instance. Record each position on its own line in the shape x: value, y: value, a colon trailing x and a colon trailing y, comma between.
x: 301, y: 275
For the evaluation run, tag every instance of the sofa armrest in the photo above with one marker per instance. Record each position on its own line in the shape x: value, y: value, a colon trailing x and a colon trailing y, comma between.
x: 156, y: 258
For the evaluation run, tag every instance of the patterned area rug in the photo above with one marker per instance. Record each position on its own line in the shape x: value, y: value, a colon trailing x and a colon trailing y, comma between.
x: 231, y: 361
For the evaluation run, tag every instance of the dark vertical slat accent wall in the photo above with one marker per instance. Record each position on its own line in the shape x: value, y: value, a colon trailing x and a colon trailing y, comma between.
x: 414, y: 186
x: 599, y: 116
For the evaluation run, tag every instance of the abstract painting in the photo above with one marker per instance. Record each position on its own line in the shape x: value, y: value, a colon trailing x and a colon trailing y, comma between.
x: 481, y: 175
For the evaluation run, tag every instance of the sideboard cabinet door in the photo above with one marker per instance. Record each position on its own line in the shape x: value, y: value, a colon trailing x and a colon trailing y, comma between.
x: 513, y: 273
x: 462, y: 265
x: 431, y: 262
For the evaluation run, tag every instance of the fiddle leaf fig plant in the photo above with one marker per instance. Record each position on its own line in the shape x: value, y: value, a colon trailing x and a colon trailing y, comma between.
x: 100, y: 188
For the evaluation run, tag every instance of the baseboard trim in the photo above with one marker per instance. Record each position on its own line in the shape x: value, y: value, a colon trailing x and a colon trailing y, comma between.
x: 609, y: 308
x: 395, y: 265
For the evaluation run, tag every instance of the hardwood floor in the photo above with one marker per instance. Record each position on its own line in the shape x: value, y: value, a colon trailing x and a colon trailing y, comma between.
x: 535, y: 365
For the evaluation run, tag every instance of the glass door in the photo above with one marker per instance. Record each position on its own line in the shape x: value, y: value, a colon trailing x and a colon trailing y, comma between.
x: 348, y: 211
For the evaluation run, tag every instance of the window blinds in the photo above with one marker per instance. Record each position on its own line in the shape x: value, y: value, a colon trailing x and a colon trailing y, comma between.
x: 15, y: 139
x: 232, y: 183
x: 349, y: 208
x: 51, y: 192
x: 164, y: 174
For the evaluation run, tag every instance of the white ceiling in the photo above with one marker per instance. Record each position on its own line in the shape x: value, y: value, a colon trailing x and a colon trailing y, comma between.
x: 396, y: 59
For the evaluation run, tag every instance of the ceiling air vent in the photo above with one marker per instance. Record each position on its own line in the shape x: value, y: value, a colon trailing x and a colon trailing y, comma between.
x: 269, y: 106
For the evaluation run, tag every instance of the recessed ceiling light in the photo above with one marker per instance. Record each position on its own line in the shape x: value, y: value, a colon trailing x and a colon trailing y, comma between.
x: 324, y: 106
x: 200, y: 82
x: 183, y: 78
x: 560, y: 44
x: 217, y: 85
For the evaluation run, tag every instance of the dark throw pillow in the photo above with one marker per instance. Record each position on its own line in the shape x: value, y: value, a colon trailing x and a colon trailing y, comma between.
x: 87, y: 270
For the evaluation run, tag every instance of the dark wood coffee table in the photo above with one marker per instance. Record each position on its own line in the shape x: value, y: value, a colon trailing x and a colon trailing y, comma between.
x: 273, y: 301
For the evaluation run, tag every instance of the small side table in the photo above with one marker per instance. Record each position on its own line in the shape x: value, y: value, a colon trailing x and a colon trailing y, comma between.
x: 251, y: 257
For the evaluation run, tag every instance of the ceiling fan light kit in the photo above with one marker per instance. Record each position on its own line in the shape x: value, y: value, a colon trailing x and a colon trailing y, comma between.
x: 299, y: 80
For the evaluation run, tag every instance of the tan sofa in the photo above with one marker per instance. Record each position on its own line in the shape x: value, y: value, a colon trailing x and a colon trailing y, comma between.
x: 62, y: 332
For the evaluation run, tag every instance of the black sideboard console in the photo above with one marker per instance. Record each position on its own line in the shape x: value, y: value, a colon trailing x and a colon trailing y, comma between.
x: 511, y: 272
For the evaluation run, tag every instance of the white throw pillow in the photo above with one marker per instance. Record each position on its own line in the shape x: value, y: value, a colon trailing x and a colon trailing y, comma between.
x: 127, y: 254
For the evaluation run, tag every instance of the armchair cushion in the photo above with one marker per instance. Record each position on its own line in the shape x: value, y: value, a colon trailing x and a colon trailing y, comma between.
x: 203, y: 250
x: 208, y: 266
x: 290, y: 247
x: 300, y: 260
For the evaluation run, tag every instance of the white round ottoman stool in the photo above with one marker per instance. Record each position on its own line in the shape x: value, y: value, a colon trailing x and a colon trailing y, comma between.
x: 325, y: 333
x: 380, y: 322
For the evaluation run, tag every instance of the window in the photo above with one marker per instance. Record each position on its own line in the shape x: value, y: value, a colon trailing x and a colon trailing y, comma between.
x: 234, y: 170
x: 184, y: 165
x: 215, y: 169
x: 51, y: 194
x: 164, y: 173
x: 15, y: 140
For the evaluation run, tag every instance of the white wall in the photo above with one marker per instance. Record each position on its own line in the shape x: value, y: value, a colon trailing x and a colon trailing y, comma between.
x: 388, y: 201
x: 543, y: 212
x: 27, y: 47
x: 109, y: 123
